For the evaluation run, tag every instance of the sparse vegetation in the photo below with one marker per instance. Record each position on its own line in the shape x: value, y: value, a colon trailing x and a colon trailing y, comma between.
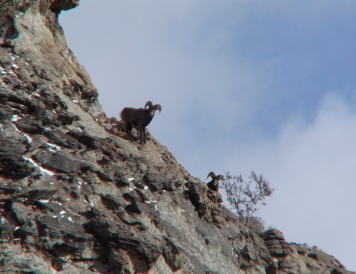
x: 246, y: 196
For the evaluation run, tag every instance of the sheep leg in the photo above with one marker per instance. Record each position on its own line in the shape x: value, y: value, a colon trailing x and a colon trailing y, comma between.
x: 129, y: 133
x: 142, y: 134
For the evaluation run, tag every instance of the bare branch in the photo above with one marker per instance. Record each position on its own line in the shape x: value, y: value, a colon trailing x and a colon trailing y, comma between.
x: 245, y: 196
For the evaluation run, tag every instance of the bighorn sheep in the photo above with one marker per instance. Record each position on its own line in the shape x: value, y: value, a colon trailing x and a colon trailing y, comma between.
x: 214, y: 183
x: 138, y: 118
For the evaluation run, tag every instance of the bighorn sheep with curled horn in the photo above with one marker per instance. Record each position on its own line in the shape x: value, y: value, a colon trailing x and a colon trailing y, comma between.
x: 214, y: 183
x: 138, y: 118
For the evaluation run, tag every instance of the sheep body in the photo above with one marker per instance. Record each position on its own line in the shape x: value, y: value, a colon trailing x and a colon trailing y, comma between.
x: 138, y: 118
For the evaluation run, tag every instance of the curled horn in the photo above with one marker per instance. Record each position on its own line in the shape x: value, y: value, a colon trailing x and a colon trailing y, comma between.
x: 155, y: 107
x: 158, y: 107
x: 220, y: 178
x: 148, y: 104
x: 212, y: 174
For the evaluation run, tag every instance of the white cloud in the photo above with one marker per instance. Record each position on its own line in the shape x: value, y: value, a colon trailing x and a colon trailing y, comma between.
x: 238, y: 82
x: 312, y: 168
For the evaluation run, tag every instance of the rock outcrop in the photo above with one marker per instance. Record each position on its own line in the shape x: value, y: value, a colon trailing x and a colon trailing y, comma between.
x: 77, y: 197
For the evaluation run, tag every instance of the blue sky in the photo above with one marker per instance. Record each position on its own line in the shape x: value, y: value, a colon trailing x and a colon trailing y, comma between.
x: 244, y: 85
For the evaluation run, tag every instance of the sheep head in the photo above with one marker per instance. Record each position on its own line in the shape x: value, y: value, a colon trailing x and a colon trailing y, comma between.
x: 215, y: 177
x: 152, y: 108
x: 214, y: 183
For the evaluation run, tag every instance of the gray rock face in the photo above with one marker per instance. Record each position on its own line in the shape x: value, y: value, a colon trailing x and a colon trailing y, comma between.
x: 77, y: 197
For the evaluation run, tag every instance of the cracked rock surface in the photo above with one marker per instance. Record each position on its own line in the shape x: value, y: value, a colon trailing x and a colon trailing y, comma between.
x: 77, y: 197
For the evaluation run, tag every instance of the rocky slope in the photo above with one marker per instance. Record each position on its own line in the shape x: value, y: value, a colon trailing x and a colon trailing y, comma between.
x: 77, y: 197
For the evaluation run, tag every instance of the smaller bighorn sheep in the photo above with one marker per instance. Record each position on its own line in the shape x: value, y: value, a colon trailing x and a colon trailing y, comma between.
x: 214, y: 183
x: 138, y: 118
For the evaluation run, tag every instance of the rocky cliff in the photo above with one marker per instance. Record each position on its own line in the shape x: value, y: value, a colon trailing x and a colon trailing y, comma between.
x: 77, y: 197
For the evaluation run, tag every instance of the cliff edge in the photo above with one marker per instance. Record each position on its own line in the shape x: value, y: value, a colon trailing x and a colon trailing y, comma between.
x: 77, y: 197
